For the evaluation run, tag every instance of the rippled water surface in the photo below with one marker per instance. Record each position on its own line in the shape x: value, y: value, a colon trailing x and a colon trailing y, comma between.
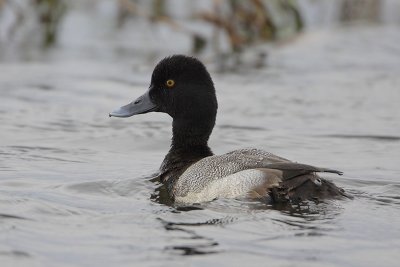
x: 76, y: 189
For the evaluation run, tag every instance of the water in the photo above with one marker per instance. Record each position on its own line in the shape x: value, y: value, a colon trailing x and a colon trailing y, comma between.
x: 76, y: 189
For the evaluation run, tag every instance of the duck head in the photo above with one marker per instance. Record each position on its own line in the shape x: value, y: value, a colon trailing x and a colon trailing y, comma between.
x: 181, y: 87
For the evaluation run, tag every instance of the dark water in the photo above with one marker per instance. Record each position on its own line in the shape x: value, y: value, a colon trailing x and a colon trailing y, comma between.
x: 75, y: 185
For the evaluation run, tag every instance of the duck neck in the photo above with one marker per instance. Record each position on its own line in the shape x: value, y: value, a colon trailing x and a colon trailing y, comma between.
x: 189, y: 144
x: 190, y: 134
x: 190, y: 138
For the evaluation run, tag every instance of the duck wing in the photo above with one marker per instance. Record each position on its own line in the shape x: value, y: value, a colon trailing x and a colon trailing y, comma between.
x: 250, y: 172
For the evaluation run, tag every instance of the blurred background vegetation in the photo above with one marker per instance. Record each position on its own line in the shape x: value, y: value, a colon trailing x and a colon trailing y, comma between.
x: 220, y: 29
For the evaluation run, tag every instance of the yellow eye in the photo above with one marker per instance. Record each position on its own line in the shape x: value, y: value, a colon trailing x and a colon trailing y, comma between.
x: 170, y: 83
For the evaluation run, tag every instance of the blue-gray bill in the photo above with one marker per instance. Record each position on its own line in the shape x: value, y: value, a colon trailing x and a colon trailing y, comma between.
x: 141, y: 105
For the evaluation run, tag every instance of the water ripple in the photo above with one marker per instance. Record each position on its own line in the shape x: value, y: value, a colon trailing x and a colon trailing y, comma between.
x: 10, y: 216
x: 364, y: 137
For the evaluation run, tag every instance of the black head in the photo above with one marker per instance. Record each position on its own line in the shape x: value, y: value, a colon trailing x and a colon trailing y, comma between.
x: 181, y: 87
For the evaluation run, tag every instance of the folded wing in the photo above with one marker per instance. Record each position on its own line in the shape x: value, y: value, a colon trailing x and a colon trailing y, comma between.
x: 254, y: 173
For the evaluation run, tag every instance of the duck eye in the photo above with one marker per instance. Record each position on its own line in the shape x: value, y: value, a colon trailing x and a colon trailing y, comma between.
x: 170, y: 83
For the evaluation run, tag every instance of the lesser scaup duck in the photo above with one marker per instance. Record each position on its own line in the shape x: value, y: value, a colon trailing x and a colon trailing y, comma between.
x: 182, y: 87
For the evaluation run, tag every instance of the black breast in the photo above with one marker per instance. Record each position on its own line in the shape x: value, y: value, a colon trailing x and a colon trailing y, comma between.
x: 177, y: 161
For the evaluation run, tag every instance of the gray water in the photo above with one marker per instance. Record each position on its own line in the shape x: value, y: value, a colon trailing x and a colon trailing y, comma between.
x: 76, y: 189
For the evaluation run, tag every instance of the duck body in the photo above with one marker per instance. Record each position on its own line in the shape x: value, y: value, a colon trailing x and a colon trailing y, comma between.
x: 182, y: 88
x: 247, y: 173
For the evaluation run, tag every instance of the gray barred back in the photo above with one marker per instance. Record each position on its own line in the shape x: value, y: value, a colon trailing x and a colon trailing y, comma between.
x: 200, y: 174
